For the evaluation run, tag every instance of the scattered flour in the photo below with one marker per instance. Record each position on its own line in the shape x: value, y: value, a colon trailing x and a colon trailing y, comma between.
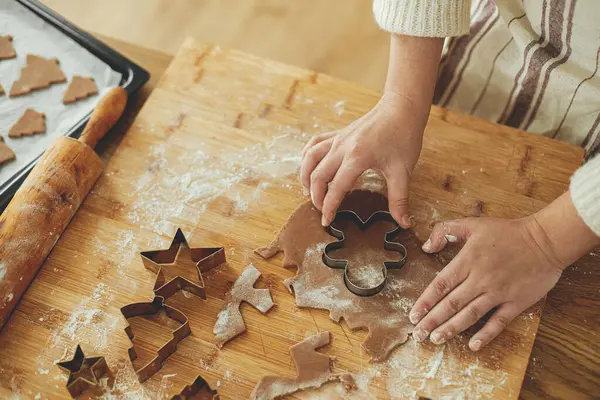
x: 339, y: 107
x: 414, y: 370
x: 2, y: 271
x: 317, y: 249
x: 366, y: 275
x: 182, y: 188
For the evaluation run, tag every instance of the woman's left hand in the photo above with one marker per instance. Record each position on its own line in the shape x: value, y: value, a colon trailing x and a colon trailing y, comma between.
x: 508, y: 264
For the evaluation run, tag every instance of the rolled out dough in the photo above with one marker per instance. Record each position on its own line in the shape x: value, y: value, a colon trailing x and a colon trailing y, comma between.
x: 384, y: 315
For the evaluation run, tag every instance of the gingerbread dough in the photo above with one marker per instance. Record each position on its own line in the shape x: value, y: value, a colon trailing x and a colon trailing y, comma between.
x: 39, y: 73
x: 230, y: 322
x: 30, y: 123
x: 6, y: 48
x: 313, y: 370
x: 6, y: 154
x: 1, y: 90
x: 315, y: 285
x: 79, y: 89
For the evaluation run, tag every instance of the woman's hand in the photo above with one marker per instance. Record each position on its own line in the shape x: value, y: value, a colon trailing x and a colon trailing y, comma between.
x: 387, y: 140
x: 506, y: 265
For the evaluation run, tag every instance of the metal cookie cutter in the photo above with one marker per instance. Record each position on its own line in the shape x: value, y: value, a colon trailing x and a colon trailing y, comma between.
x: 202, y: 259
x: 84, y: 372
x: 151, y: 308
x: 199, y: 389
x: 389, y: 244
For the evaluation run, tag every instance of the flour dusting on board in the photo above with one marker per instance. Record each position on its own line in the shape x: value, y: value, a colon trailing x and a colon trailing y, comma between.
x: 182, y: 187
x: 415, y: 370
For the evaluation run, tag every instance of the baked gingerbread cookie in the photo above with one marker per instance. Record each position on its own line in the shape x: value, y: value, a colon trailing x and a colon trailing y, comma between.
x: 6, y: 48
x: 39, y: 73
x: 30, y: 123
x: 79, y: 89
x: 6, y: 154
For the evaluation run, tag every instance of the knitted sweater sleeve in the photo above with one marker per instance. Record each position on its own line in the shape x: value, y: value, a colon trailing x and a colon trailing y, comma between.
x: 585, y: 193
x: 425, y: 18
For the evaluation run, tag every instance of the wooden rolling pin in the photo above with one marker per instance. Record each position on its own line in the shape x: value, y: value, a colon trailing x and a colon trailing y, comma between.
x: 41, y: 209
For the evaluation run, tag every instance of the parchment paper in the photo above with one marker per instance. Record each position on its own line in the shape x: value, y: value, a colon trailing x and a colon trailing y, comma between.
x: 32, y: 35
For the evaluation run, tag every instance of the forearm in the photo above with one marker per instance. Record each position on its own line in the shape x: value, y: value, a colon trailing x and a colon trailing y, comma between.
x: 412, y: 73
x: 563, y: 232
x: 413, y: 66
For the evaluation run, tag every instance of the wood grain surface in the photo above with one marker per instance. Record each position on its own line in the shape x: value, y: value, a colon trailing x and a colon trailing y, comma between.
x: 336, y: 37
x: 240, y: 102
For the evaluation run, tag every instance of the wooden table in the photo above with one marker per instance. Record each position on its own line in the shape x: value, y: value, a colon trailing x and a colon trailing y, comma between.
x: 565, y: 359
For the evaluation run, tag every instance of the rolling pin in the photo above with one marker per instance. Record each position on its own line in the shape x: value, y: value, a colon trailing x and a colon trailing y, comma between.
x: 41, y: 209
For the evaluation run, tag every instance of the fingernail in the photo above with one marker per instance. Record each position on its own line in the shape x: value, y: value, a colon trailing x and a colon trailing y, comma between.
x: 414, y: 317
x: 451, y: 238
x: 324, y: 220
x: 437, y: 338
x: 305, y: 191
x: 312, y: 197
x: 475, y: 345
x: 427, y: 245
x: 406, y: 221
x: 420, y: 334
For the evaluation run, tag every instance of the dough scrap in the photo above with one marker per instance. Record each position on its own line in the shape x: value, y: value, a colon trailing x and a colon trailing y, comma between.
x: 313, y: 370
x: 39, y: 73
x: 30, y: 123
x: 384, y: 315
x: 79, y: 89
x: 230, y: 322
x: 6, y: 154
x: 6, y: 48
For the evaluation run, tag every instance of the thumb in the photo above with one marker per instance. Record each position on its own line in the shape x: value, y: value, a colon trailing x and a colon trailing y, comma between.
x: 398, y: 198
x: 447, y: 232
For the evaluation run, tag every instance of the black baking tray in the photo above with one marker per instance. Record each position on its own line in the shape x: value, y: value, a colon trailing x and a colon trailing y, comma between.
x: 133, y: 78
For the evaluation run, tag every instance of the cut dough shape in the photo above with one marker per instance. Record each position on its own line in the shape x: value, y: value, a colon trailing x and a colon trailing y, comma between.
x: 6, y: 154
x: 384, y: 315
x: 30, y: 123
x: 39, y: 73
x: 79, y: 89
x: 6, y: 48
x: 313, y: 370
x: 230, y: 322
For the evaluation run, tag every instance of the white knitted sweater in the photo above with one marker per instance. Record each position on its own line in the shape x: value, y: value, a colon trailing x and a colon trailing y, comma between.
x: 522, y: 26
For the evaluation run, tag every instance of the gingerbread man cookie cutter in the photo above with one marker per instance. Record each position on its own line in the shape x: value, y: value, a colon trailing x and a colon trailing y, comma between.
x: 389, y: 244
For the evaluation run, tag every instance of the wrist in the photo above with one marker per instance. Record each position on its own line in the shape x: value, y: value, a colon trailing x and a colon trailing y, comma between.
x: 566, y: 234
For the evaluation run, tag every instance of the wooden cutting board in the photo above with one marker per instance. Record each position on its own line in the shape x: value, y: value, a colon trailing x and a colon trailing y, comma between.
x: 215, y: 151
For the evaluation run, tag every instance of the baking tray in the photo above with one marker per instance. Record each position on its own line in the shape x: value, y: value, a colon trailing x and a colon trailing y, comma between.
x: 133, y: 77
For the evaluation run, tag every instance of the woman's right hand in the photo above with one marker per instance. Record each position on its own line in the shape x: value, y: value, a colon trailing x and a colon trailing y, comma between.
x: 387, y: 139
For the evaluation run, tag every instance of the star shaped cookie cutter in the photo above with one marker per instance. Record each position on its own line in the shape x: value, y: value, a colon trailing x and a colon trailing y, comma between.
x: 84, y: 372
x: 389, y: 244
x: 203, y: 259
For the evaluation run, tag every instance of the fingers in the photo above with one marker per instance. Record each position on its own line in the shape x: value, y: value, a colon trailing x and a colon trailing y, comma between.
x: 398, y: 197
x: 316, y: 140
x: 310, y: 160
x: 322, y: 175
x: 341, y: 184
x: 448, y: 232
x: 496, y: 324
x: 443, y: 311
x: 448, y: 279
x: 463, y: 319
